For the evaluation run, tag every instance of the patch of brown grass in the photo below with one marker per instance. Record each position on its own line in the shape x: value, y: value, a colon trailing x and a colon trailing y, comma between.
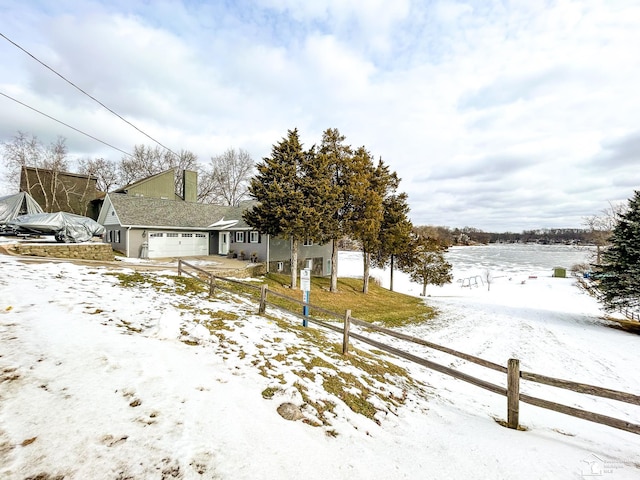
x: 626, y: 325
x: 391, y: 309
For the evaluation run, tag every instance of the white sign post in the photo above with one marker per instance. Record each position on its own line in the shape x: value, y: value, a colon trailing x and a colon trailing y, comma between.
x: 305, y: 286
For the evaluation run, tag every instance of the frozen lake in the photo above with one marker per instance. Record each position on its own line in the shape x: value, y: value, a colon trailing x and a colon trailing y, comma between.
x: 502, y: 260
x: 517, y: 258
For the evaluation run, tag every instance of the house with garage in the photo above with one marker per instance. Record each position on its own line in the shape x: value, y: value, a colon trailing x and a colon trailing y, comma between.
x: 147, y: 221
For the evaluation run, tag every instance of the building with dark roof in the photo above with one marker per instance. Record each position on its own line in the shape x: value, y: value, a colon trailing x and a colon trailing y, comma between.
x: 141, y: 224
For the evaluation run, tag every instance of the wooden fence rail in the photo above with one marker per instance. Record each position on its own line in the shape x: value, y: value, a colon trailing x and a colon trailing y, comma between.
x: 514, y: 374
x: 419, y: 341
x: 582, y: 388
x: 593, y: 289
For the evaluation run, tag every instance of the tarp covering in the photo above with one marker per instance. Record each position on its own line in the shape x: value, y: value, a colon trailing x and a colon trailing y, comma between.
x: 66, y: 227
x: 13, y: 206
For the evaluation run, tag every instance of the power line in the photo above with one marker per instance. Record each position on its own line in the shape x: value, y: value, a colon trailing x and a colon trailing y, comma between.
x: 65, y: 124
x: 87, y: 94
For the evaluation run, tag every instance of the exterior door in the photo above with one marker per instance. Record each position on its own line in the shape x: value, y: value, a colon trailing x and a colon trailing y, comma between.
x: 223, y: 243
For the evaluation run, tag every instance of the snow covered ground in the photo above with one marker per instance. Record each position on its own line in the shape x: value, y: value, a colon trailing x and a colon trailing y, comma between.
x: 104, y: 377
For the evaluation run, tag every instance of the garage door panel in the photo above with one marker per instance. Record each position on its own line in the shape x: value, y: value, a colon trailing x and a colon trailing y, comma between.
x: 174, y: 244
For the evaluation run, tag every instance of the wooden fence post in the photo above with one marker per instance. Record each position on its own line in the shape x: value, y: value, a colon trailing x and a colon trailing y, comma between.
x: 513, y: 392
x: 345, y: 338
x: 179, y: 267
x: 263, y: 300
x: 212, y: 285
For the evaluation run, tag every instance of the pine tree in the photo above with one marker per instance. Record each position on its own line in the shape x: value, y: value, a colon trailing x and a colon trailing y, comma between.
x: 619, y: 272
x: 366, y: 192
x: 425, y: 263
x: 336, y: 159
x: 395, y: 232
x: 283, y: 207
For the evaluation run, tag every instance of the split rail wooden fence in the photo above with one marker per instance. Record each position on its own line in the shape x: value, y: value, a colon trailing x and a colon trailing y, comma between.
x: 512, y: 370
x: 631, y: 313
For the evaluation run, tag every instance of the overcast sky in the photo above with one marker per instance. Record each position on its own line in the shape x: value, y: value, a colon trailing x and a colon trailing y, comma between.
x: 500, y: 115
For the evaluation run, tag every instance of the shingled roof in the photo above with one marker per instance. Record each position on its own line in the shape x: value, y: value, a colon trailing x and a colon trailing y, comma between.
x: 157, y: 212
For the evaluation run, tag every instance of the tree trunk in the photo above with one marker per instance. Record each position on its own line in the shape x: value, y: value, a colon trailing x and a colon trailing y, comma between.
x: 294, y: 263
x: 365, y: 276
x: 424, y: 289
x: 391, y: 277
x: 334, y: 266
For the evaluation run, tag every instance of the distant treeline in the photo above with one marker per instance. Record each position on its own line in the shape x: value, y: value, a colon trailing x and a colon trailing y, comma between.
x: 447, y: 237
x: 469, y: 235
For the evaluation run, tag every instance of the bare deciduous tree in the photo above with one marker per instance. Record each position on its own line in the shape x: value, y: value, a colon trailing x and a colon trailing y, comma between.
x: 105, y: 171
x: 229, y: 175
x: 36, y: 169
x: 24, y: 150
x: 601, y: 226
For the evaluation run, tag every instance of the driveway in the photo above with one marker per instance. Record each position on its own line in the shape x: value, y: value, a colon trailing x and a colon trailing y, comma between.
x: 211, y: 263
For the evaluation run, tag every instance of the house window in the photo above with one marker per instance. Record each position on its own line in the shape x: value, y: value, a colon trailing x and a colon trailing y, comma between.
x: 239, y: 237
x: 280, y: 266
x: 188, y: 235
x: 117, y: 236
x: 174, y: 235
x: 308, y: 242
x: 254, y: 237
x: 156, y: 234
x: 308, y: 263
x: 200, y: 235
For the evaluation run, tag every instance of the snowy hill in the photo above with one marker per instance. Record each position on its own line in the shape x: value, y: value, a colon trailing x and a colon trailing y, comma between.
x: 130, y: 376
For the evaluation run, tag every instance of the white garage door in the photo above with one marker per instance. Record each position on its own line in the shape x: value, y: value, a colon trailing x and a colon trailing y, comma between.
x: 172, y: 244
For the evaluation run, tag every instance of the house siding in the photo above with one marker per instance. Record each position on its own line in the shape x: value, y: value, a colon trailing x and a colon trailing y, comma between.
x: 280, y: 253
x: 116, y: 236
x: 247, y: 246
x: 160, y: 186
x: 137, y: 237
x: 60, y: 191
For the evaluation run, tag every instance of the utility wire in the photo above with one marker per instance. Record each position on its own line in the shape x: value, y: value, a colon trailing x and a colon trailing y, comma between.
x: 65, y: 124
x: 87, y: 94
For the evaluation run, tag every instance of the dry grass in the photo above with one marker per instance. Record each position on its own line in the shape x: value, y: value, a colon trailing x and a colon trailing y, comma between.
x: 380, y: 305
x: 626, y: 325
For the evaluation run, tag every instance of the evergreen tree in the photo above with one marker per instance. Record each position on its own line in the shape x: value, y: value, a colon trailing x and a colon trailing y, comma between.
x: 366, y: 192
x: 619, y: 271
x: 425, y: 263
x: 283, y: 208
x: 395, y: 232
x: 336, y: 159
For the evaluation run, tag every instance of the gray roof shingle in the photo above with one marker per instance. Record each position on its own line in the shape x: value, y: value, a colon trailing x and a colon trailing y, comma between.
x: 157, y: 212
